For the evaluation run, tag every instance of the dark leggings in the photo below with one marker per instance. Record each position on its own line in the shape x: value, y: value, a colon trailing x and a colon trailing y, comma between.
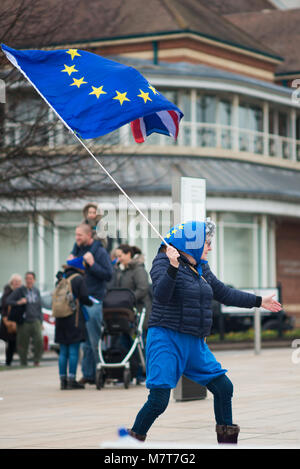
x: 158, y: 400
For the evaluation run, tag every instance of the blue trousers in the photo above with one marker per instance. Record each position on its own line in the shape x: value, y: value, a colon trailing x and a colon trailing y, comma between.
x: 90, y: 346
x: 158, y: 399
x: 68, y: 354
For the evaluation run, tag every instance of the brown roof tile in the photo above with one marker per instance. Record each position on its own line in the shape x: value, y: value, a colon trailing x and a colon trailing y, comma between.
x: 278, y: 29
x: 80, y: 20
x: 228, y: 7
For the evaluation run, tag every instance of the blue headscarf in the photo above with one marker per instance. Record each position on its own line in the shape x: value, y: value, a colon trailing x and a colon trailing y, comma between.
x: 189, y: 237
x: 77, y: 262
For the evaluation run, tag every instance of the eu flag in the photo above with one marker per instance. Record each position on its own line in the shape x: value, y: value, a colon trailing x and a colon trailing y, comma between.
x: 94, y: 95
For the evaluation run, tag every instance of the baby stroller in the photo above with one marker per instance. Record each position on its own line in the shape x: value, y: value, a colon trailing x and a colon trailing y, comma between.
x: 122, y: 330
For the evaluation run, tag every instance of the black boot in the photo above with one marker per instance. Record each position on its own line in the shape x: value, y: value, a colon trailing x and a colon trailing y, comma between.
x: 63, y: 382
x: 136, y: 435
x: 73, y: 384
x: 227, y: 433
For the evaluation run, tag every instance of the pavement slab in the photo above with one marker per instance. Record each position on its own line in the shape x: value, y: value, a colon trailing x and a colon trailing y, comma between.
x: 36, y: 414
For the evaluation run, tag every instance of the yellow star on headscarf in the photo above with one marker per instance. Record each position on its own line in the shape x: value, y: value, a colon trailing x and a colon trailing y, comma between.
x: 98, y: 91
x: 78, y: 82
x: 73, y: 53
x: 121, y: 97
x: 69, y: 70
x: 153, y: 89
x: 144, y: 96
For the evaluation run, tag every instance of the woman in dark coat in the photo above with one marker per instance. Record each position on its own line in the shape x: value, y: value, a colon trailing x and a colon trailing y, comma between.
x: 71, y: 331
x: 131, y: 273
x: 8, y: 331
x: 181, y: 319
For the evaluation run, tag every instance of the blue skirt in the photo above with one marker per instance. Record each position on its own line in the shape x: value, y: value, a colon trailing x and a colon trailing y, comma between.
x: 171, y: 354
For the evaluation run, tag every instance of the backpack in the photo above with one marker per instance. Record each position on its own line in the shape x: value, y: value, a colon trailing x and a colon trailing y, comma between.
x: 63, y: 302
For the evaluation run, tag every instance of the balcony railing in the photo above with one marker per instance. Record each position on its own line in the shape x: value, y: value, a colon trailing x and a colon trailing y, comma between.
x: 204, y: 135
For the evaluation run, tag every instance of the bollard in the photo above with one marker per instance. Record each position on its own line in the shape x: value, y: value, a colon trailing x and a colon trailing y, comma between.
x: 257, y: 331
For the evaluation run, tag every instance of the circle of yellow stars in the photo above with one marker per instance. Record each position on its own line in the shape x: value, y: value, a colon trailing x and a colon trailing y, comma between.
x: 121, y: 97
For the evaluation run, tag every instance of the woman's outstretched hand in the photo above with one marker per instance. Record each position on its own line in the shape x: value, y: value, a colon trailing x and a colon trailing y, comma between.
x: 173, y: 255
x: 270, y: 304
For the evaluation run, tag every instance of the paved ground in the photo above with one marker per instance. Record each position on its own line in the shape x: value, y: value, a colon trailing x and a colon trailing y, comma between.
x: 36, y: 414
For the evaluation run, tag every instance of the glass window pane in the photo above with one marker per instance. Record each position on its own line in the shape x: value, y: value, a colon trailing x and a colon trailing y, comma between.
x: 14, y: 252
x: 66, y: 242
x: 238, y: 257
x: 225, y: 113
x: 206, y: 108
x: 185, y: 103
x: 283, y: 124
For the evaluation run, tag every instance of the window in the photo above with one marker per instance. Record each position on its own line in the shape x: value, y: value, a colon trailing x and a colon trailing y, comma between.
x: 238, y: 244
x: 251, y: 119
x: 206, y: 113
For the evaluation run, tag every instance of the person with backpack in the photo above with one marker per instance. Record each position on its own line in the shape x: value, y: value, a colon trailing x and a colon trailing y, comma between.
x: 68, y: 298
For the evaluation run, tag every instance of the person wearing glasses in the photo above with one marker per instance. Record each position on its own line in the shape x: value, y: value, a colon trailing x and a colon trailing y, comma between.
x: 180, y: 321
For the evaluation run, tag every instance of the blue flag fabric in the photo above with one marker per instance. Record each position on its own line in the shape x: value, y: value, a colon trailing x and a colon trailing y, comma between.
x: 94, y: 95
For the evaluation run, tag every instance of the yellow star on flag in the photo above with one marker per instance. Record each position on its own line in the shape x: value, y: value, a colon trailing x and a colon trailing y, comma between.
x: 174, y: 231
x: 144, y: 96
x: 69, y: 70
x: 121, y: 97
x: 153, y: 89
x: 73, y: 53
x: 180, y: 227
x: 78, y: 82
x: 98, y: 91
x: 168, y: 235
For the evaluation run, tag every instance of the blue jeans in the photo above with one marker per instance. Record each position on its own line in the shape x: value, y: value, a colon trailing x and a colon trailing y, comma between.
x: 90, y: 346
x: 158, y: 399
x: 68, y: 354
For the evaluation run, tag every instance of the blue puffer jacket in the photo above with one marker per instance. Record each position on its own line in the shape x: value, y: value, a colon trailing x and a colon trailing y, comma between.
x: 182, y: 299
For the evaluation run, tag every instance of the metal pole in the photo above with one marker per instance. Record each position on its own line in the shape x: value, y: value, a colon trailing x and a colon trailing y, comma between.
x: 257, y: 331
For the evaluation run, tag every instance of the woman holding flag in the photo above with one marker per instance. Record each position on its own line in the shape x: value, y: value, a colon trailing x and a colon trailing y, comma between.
x: 181, y: 319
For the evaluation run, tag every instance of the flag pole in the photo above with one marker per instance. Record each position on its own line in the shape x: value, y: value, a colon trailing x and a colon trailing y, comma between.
x: 119, y: 187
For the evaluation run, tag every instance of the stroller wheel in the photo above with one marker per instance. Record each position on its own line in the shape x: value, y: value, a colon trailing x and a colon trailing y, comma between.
x: 126, y: 378
x: 100, y: 379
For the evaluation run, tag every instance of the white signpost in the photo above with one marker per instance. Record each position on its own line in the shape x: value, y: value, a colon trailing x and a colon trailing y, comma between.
x: 189, y: 199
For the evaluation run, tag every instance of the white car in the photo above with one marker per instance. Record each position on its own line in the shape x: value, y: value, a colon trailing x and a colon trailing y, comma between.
x: 48, y: 322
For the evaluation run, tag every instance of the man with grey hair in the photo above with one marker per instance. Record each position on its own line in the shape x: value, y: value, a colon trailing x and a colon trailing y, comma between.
x: 30, y: 327
x: 8, y: 327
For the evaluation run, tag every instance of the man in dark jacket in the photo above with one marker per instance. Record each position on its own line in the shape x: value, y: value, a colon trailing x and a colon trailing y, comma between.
x: 31, y: 326
x: 98, y: 272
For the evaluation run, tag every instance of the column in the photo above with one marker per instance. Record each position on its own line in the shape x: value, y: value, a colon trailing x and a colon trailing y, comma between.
x: 221, y: 248
x: 264, y: 251
x: 293, y: 134
x: 235, y: 122
x: 30, y: 245
x: 266, y: 128
x: 56, y: 263
x: 193, y: 118
x: 214, y: 253
x: 272, y: 254
x: 41, y: 246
